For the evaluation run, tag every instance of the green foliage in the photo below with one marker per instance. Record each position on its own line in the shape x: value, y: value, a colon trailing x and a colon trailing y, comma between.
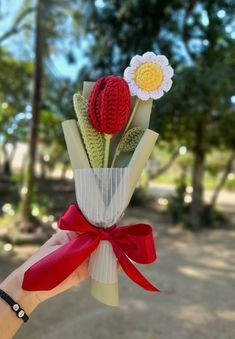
x: 15, y: 78
x: 50, y: 128
x: 177, y: 206
x: 215, y: 162
x: 212, y: 218
x: 178, y: 209
x: 208, y: 103
x: 194, y: 38
x: 93, y: 140
x: 121, y: 29
x: 230, y: 183
x: 51, y: 138
x: 57, y: 94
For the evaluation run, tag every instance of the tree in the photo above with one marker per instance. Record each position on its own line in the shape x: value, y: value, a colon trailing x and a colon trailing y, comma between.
x: 120, y: 29
x: 227, y: 142
x: 196, y: 36
x: 201, y: 110
x: 227, y: 169
x: 14, y: 91
x: 195, y: 118
x: 49, y: 24
x: 18, y: 23
x: 36, y: 106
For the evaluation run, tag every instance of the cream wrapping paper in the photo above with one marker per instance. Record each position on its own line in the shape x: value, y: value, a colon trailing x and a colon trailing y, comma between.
x: 102, y: 195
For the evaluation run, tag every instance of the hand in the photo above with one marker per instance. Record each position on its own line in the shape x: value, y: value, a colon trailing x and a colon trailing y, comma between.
x: 9, y: 323
x: 57, y: 240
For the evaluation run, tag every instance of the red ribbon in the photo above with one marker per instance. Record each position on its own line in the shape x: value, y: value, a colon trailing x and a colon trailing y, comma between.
x: 128, y: 242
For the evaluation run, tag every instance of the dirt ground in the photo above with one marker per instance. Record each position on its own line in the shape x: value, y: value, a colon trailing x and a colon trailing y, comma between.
x: 195, y: 273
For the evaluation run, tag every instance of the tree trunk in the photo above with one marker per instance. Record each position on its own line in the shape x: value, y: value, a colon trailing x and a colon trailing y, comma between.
x: 36, y: 103
x: 227, y: 170
x: 196, y: 206
x: 6, y: 162
x: 42, y: 167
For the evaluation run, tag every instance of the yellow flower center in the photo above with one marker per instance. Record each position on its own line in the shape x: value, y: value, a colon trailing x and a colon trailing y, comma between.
x: 148, y: 77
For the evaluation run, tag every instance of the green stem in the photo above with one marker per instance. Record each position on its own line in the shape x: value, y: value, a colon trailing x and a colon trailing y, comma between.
x: 108, y: 138
x: 115, y: 157
x: 137, y: 102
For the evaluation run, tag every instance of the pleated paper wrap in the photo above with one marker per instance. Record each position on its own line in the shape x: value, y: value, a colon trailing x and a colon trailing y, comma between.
x: 103, y: 194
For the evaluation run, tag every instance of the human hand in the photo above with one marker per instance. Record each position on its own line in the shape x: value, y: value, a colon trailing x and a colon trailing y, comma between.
x: 56, y: 241
x: 13, y: 283
x: 29, y: 300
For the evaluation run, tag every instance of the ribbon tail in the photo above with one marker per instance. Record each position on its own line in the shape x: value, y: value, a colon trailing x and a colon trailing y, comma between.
x: 132, y: 272
x: 51, y: 270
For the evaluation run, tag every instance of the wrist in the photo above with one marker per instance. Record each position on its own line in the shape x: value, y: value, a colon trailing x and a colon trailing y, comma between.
x: 12, y: 285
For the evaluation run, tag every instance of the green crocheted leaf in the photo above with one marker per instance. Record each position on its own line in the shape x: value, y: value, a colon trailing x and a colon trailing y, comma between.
x: 130, y: 140
x: 93, y: 140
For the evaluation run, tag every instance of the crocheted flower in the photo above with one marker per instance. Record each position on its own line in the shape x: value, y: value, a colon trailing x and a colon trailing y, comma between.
x: 149, y: 76
x: 109, y: 104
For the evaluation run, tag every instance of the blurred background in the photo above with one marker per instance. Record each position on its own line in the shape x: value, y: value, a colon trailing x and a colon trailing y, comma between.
x: 187, y: 191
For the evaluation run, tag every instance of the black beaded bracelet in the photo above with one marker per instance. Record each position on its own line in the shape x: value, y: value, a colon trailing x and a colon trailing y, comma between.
x: 14, y: 306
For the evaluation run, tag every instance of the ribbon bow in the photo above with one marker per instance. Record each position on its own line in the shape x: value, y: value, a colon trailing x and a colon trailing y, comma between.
x: 132, y: 241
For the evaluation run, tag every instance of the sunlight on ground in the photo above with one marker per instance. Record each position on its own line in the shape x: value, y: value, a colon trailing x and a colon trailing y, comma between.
x: 193, y: 272
x: 137, y: 304
x: 226, y: 314
x: 194, y: 314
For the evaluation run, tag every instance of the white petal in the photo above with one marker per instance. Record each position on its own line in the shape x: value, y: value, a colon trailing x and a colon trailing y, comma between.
x: 128, y: 74
x: 162, y: 60
x: 166, y: 85
x: 168, y: 71
x: 157, y: 94
x: 143, y: 95
x: 149, y: 57
x: 136, y: 61
x: 133, y: 88
x: 133, y: 93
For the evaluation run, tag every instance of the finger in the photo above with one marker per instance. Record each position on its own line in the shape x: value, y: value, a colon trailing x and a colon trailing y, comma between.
x: 61, y: 237
x: 71, y: 234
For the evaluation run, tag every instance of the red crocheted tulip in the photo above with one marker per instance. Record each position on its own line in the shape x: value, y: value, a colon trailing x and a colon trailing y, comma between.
x: 109, y: 104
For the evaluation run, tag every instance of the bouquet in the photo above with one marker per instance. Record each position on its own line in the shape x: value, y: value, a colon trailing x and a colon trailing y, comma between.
x: 108, y: 146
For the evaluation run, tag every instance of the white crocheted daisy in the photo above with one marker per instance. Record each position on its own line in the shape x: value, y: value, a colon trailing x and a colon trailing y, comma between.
x: 149, y: 76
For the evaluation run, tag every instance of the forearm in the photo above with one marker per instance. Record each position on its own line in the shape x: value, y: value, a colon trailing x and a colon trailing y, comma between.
x: 9, y: 322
